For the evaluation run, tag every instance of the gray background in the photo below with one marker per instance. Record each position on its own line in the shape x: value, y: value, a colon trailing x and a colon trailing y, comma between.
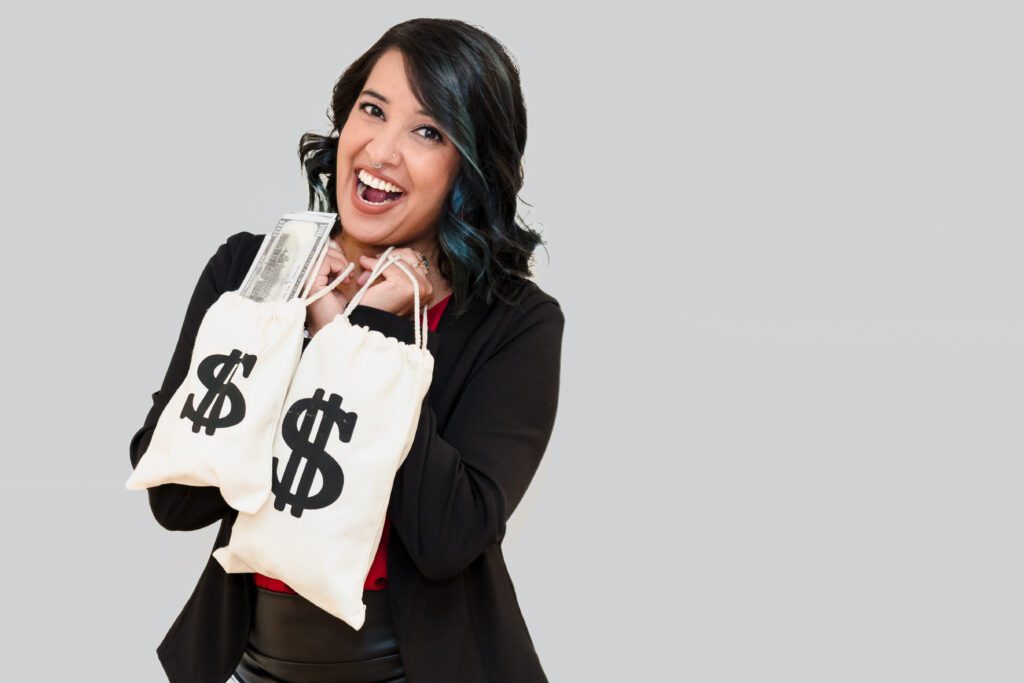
x: 786, y: 238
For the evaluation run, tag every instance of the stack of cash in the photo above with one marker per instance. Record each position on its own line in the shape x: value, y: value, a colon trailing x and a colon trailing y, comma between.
x: 289, y: 257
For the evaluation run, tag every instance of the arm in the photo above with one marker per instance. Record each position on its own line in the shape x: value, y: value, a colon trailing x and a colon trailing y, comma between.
x: 453, y: 496
x: 178, y: 507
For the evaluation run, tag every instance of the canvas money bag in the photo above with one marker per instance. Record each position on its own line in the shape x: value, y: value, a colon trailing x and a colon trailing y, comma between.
x: 218, y: 427
x: 349, y: 421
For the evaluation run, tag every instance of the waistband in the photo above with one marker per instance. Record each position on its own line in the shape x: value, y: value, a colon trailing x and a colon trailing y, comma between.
x: 293, y: 640
x: 287, y: 626
x: 257, y: 668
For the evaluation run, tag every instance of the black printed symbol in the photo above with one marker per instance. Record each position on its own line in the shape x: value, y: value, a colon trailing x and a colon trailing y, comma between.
x: 210, y: 411
x: 309, y: 448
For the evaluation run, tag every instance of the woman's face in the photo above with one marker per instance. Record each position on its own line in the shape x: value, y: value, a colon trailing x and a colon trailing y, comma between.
x: 424, y: 162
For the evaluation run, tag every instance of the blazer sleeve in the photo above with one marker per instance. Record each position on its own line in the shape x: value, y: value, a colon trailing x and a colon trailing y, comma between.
x: 179, y: 507
x: 454, y: 493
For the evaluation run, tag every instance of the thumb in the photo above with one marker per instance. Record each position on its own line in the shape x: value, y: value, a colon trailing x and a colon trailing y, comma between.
x: 368, y: 263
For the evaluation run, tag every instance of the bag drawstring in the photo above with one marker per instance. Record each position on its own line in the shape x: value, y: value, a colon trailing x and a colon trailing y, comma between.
x: 385, y: 260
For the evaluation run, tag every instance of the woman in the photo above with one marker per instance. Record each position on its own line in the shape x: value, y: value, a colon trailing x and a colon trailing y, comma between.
x: 434, y: 113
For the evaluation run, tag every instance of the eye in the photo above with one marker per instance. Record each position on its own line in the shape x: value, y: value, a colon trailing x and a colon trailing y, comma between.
x: 364, y: 105
x: 435, y: 137
x: 439, y: 138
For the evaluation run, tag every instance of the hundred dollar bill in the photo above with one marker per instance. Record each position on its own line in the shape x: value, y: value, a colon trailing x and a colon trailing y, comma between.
x: 288, y: 257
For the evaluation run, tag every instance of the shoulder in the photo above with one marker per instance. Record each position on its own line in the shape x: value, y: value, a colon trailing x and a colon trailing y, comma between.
x: 533, y: 303
x: 231, y: 261
x: 530, y: 313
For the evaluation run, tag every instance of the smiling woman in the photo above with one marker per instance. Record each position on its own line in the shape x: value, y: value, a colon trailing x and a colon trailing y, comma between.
x: 435, y: 109
x: 425, y: 155
x: 401, y: 167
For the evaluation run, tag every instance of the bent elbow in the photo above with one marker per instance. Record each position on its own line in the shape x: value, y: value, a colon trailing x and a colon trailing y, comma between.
x: 447, y: 555
x: 445, y: 566
x: 176, y: 509
x: 164, y: 510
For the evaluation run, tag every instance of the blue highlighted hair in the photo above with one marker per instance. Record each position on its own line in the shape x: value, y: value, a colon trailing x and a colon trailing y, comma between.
x: 469, y: 83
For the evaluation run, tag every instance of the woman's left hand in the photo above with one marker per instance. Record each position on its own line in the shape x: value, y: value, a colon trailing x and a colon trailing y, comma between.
x: 392, y: 291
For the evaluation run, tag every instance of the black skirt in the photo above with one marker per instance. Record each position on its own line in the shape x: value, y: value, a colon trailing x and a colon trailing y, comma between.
x: 294, y: 641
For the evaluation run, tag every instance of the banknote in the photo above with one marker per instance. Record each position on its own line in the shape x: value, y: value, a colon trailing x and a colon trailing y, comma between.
x: 289, y: 257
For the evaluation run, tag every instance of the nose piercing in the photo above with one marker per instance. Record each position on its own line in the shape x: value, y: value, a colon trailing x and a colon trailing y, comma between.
x: 376, y: 165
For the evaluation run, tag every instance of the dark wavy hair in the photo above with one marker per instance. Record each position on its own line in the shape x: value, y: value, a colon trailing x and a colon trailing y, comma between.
x: 469, y: 83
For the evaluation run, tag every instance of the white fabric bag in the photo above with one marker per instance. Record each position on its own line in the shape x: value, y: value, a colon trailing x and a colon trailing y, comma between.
x: 218, y: 427
x: 349, y: 421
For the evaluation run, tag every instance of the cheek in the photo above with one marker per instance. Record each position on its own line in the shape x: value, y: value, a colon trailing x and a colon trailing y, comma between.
x: 435, y: 182
x: 344, y: 152
x: 348, y: 141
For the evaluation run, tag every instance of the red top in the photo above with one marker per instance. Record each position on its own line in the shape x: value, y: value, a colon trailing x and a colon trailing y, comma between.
x: 377, y: 579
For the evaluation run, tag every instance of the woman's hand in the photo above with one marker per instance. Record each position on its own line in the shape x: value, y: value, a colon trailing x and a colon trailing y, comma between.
x: 392, y: 291
x: 324, y: 310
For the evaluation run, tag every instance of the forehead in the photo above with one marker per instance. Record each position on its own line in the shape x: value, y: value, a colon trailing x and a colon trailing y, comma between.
x: 387, y: 82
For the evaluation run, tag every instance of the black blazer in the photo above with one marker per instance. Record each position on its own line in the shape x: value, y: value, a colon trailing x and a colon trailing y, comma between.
x: 483, y: 429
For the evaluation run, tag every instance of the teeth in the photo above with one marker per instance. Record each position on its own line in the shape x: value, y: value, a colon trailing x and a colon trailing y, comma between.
x: 373, y: 181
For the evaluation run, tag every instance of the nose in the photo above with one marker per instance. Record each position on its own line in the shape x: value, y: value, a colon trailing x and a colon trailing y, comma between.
x: 383, y: 149
x: 374, y: 159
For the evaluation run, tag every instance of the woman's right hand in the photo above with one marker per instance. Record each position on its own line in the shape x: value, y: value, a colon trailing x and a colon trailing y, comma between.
x: 324, y: 310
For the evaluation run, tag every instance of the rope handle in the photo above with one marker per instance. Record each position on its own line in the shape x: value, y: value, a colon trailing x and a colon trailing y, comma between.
x: 384, y: 262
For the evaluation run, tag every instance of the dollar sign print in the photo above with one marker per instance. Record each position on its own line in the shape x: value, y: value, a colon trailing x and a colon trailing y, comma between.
x: 219, y: 388
x: 297, y: 432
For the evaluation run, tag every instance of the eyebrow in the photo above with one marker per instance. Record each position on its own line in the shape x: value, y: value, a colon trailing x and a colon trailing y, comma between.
x: 374, y: 93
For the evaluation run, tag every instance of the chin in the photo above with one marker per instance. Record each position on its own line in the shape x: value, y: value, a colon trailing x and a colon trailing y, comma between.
x: 356, y: 227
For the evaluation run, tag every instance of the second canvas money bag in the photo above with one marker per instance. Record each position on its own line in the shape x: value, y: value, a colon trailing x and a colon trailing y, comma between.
x: 348, y: 423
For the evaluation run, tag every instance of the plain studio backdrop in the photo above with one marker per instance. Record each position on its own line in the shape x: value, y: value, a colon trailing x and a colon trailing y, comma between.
x: 787, y: 241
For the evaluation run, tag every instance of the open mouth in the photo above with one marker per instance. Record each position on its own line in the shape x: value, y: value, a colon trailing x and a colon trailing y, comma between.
x: 374, y: 197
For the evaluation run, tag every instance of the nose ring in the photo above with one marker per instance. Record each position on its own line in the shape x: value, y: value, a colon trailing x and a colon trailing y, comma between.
x: 376, y: 165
